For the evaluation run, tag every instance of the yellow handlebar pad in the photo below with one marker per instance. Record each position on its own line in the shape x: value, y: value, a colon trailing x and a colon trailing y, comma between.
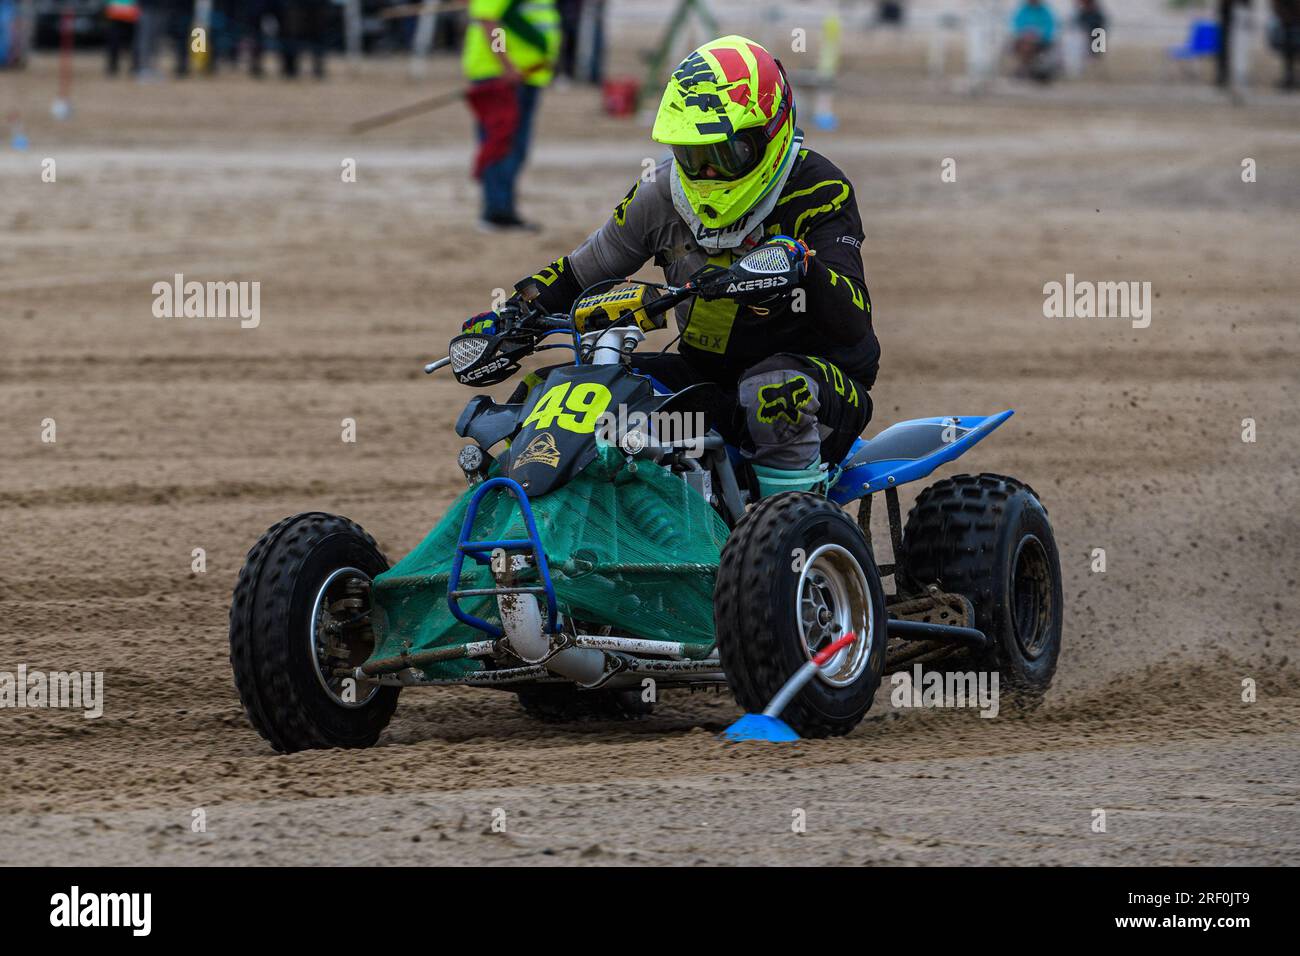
x: 601, y: 311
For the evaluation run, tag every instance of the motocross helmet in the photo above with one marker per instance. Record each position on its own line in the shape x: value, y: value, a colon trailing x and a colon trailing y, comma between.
x: 728, y: 114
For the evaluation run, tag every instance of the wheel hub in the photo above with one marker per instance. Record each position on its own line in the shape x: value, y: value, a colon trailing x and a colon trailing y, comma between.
x: 833, y: 598
x: 340, y: 634
x: 1031, y: 596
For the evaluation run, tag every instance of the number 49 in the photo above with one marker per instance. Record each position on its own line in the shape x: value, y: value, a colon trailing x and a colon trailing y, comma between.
x: 575, y: 408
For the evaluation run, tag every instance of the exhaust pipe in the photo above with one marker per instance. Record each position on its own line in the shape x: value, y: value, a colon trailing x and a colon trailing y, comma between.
x: 521, y: 620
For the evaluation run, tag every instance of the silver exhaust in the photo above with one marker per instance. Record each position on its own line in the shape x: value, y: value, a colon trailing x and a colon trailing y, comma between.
x: 521, y: 620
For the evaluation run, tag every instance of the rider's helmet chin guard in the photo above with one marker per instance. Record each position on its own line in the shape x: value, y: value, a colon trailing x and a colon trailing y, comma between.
x: 728, y: 106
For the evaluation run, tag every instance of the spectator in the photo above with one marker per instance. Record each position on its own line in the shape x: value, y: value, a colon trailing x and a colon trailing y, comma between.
x: 178, y: 18
x: 890, y: 13
x: 303, y: 25
x: 147, y: 28
x: 570, y: 28
x: 1089, y: 18
x: 1033, y: 31
x: 11, y: 44
x: 257, y: 12
x: 1285, y: 38
x: 573, y: 14
x: 510, y: 51
x: 595, y: 66
x: 227, y: 33
x: 448, y: 30
x: 1226, y: 10
x: 122, y: 17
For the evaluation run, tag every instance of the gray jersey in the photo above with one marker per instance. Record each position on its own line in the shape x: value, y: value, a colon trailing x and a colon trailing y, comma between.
x: 829, y: 316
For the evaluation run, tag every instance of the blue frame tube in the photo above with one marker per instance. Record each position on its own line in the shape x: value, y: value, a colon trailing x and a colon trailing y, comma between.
x: 476, y: 550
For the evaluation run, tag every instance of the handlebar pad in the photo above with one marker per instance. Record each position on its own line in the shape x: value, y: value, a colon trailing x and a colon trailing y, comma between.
x: 606, y: 308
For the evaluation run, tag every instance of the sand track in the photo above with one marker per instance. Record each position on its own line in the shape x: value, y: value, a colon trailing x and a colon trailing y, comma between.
x: 179, y: 434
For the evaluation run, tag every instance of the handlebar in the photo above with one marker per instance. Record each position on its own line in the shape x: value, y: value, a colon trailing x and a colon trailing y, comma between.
x: 546, y: 324
x: 550, y: 323
x: 671, y: 297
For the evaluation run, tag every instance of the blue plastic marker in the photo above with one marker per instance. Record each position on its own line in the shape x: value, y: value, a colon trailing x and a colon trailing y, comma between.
x: 768, y: 725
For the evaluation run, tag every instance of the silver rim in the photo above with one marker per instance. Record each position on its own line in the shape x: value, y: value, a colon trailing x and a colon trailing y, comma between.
x: 327, y: 637
x: 834, y: 599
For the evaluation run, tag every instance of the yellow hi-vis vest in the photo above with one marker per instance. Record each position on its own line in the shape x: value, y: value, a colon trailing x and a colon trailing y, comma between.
x: 529, y: 36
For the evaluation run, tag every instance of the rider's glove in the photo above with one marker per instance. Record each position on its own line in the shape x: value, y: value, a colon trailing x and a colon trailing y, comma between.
x: 504, y: 319
x: 796, y: 249
x: 484, y: 323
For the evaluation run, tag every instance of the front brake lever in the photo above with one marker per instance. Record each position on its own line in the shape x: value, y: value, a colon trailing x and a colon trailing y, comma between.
x: 434, y: 366
x: 710, y: 282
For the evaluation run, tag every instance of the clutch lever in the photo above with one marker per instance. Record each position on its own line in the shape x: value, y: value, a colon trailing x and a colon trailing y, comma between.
x: 434, y: 366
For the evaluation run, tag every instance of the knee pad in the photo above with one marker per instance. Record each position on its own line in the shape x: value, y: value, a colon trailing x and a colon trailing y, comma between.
x: 781, y: 408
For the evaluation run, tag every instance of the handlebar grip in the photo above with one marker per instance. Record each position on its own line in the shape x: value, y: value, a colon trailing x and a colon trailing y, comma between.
x: 667, y: 301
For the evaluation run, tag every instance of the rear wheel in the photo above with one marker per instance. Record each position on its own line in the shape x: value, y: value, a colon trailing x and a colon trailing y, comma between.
x: 300, y: 612
x: 796, y: 574
x: 987, y: 537
x: 564, y: 703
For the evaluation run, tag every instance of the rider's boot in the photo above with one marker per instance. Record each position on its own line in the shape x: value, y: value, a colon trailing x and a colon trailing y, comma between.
x: 773, y: 481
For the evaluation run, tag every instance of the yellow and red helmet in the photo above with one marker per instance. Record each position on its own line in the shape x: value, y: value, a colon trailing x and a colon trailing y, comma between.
x: 728, y: 114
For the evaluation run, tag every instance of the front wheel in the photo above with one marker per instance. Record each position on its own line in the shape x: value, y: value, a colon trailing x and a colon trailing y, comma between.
x: 795, y: 575
x: 300, y: 613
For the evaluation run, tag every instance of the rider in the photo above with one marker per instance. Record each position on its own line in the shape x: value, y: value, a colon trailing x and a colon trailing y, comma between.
x: 799, y: 363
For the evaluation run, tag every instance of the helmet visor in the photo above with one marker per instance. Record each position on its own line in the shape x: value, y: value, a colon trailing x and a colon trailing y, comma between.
x: 730, y: 159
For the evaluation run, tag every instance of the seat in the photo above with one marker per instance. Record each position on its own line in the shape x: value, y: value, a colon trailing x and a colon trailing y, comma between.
x: 907, y: 451
x: 907, y: 441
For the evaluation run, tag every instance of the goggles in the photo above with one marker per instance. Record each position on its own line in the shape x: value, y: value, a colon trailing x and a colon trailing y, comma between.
x: 730, y: 159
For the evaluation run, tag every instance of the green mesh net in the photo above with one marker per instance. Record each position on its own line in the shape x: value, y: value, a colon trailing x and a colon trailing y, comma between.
x: 636, y: 550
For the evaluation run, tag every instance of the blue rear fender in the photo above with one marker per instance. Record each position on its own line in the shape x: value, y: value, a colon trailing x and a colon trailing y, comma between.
x: 907, y: 451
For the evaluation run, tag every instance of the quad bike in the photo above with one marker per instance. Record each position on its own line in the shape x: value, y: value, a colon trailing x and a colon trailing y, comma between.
x: 597, y: 558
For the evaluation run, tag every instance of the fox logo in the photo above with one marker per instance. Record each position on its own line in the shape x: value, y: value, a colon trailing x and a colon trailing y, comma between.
x: 784, y: 400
